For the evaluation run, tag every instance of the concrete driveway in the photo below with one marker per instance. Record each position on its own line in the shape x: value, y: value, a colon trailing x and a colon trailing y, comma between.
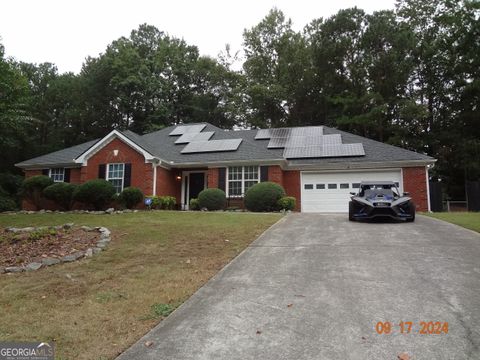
x: 314, y: 287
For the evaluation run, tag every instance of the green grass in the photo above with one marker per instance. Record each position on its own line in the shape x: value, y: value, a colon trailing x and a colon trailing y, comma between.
x: 469, y: 220
x: 95, y: 308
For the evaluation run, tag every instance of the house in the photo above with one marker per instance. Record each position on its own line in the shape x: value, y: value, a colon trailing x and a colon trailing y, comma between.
x: 317, y: 165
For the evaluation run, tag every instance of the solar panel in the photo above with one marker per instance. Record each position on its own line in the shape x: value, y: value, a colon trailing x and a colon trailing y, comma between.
x: 263, y: 134
x: 184, y: 129
x: 343, y: 150
x: 317, y: 151
x: 211, y: 146
x: 277, y: 142
x: 189, y: 137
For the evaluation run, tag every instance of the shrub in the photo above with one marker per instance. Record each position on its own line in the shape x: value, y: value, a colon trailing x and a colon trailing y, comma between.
x: 163, y: 202
x: 61, y: 193
x: 212, y: 199
x: 167, y: 202
x: 11, y: 183
x: 130, y: 197
x: 194, y: 204
x: 287, y: 203
x: 7, y: 203
x: 97, y: 193
x: 264, y: 196
x: 32, y: 188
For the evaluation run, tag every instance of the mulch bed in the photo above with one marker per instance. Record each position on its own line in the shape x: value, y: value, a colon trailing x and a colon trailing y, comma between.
x: 18, y: 249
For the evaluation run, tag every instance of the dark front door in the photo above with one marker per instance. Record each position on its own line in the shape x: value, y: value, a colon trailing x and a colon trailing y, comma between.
x: 196, y: 183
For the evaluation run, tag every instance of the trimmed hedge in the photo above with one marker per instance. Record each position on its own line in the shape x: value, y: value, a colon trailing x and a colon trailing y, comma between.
x: 130, y: 197
x: 97, y: 193
x: 264, y: 196
x: 212, y: 199
x: 194, y: 204
x: 163, y: 202
x: 61, y: 193
x: 32, y: 188
x: 287, y: 203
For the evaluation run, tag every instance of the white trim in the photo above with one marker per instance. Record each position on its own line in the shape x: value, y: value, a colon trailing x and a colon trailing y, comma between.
x: 154, y: 190
x: 428, y: 189
x: 186, y: 194
x: 83, y: 158
x: 50, y: 173
x: 242, y: 180
x: 123, y: 177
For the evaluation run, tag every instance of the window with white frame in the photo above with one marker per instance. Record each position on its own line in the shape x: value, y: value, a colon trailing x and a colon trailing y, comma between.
x: 241, y: 178
x: 57, y: 174
x: 115, y: 174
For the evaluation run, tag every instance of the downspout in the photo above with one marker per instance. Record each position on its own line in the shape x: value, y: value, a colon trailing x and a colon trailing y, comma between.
x: 427, y: 178
x: 154, y: 190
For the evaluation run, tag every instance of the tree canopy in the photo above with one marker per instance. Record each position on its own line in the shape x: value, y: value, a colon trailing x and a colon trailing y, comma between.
x: 408, y: 77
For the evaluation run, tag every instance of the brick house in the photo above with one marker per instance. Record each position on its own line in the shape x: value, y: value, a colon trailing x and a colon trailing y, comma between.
x: 318, y: 165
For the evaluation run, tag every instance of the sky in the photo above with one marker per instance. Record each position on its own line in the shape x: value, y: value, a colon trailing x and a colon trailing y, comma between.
x: 65, y: 32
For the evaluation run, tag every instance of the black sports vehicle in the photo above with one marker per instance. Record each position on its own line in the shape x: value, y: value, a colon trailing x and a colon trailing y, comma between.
x: 378, y: 199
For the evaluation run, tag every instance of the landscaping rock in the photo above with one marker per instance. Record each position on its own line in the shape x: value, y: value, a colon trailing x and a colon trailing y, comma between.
x: 89, y: 252
x: 20, y: 230
x: 14, y: 269
x: 68, y: 226
x: 72, y: 257
x: 2, y: 269
x: 101, y: 245
x: 96, y: 250
x: 42, y: 211
x: 104, y: 232
x: 86, y: 228
x: 50, y: 261
x: 109, y: 211
x: 33, y: 266
x: 127, y: 211
x: 48, y: 211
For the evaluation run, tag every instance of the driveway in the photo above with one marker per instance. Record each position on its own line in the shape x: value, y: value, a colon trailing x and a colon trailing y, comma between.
x: 315, y: 286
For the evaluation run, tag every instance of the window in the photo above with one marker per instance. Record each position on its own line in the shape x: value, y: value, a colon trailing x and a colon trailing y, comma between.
x: 355, y: 185
x: 308, y: 186
x: 57, y: 175
x: 115, y: 174
x: 241, y: 178
x: 344, y: 186
x: 320, y: 186
x: 332, y: 186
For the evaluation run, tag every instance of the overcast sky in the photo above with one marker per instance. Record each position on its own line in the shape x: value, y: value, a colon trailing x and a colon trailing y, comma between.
x: 65, y: 32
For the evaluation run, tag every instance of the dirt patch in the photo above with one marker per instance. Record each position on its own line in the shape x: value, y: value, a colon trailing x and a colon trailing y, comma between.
x: 18, y: 249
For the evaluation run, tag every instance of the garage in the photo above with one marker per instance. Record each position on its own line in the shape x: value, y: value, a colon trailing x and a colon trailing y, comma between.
x: 330, y: 191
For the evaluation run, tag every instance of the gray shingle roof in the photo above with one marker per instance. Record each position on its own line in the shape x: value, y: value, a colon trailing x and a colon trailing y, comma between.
x: 62, y: 157
x: 162, y: 145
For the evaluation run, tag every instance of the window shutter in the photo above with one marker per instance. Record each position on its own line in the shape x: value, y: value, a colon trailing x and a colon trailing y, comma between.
x: 263, y: 173
x: 102, y: 171
x: 127, y: 175
x: 66, y: 177
x: 222, y: 173
x: 45, y: 172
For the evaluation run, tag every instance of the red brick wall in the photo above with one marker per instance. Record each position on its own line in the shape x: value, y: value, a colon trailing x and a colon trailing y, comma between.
x: 414, y: 182
x: 275, y: 174
x: 30, y: 173
x: 212, y: 178
x: 168, y: 184
x: 75, y: 175
x: 141, y: 172
x: 291, y: 184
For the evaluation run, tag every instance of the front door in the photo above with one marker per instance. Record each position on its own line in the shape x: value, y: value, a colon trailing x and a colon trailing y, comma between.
x: 196, y: 183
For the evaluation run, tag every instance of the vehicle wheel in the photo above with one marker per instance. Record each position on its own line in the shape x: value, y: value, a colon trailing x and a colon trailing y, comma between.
x: 412, y: 213
x: 350, y: 211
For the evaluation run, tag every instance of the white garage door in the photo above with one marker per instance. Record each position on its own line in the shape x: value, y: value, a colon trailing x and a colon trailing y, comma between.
x: 330, y: 192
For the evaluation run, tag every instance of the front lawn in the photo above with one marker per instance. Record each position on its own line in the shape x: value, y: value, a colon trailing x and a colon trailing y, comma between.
x: 96, y: 308
x: 469, y: 220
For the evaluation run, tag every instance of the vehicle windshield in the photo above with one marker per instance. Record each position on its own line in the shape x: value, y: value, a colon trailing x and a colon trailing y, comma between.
x: 378, y: 189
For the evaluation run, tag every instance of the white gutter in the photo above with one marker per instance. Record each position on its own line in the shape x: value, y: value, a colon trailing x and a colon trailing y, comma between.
x: 154, y: 190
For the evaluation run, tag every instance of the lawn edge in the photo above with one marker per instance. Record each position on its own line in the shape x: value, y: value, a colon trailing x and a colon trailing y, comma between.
x: 450, y: 223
